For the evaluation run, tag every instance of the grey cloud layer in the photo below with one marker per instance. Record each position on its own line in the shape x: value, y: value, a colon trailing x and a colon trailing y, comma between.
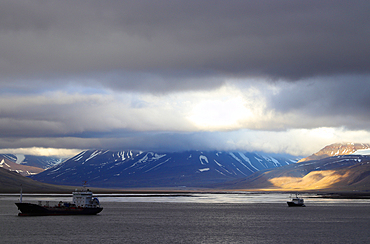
x: 119, y: 41
x: 315, y: 52
x: 326, y: 101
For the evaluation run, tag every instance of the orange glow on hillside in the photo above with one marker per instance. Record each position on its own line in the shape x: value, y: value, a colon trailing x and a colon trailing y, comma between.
x: 313, y: 181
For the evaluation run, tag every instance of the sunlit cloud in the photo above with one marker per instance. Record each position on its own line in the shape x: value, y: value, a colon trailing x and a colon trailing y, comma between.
x: 39, y: 151
x: 219, y: 114
x: 233, y: 117
x: 223, y: 109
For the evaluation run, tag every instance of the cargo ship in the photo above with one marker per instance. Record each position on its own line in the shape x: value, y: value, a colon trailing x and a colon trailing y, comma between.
x: 83, y: 204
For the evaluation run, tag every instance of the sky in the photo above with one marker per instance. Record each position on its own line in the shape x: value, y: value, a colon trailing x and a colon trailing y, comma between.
x: 268, y: 76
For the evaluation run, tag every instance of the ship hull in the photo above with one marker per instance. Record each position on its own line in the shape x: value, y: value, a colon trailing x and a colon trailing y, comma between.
x: 293, y: 204
x: 30, y: 209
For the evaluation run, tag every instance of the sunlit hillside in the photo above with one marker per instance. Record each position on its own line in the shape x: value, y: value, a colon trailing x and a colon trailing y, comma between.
x: 337, y: 173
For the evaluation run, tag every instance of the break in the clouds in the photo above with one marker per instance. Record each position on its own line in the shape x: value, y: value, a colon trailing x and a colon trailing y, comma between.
x: 179, y: 75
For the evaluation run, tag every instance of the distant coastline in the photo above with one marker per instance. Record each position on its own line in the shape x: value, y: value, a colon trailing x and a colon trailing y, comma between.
x: 160, y: 191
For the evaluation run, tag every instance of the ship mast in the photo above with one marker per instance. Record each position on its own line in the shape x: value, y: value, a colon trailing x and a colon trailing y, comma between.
x: 20, y: 198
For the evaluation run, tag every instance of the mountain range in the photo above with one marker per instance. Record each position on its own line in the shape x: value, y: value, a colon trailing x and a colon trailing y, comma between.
x: 337, y: 167
x: 122, y: 169
x: 348, y: 170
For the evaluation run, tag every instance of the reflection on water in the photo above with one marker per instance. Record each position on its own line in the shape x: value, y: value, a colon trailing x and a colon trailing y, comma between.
x: 192, y: 218
x: 241, y: 197
x: 200, y: 198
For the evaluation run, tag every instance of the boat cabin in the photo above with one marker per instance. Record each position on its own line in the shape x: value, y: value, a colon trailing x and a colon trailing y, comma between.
x: 84, y: 199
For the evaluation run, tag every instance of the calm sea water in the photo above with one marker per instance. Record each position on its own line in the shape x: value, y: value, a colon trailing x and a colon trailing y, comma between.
x: 199, y: 218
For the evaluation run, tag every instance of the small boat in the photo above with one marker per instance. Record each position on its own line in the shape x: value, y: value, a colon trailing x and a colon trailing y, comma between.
x: 83, y: 204
x: 296, y: 202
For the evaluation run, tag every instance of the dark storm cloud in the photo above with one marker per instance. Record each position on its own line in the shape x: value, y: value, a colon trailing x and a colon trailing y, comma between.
x: 174, y: 40
x: 78, y: 74
x: 326, y: 101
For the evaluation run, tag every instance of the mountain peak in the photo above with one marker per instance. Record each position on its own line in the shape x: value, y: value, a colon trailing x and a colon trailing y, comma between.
x: 337, y: 149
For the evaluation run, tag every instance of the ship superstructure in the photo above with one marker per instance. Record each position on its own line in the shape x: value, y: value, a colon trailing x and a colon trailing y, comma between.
x: 84, y: 199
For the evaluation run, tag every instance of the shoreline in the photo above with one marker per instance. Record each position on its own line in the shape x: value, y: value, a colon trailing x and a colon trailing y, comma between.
x: 158, y: 192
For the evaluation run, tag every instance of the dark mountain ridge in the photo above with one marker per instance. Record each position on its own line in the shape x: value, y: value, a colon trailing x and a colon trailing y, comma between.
x: 122, y: 169
x: 11, y: 182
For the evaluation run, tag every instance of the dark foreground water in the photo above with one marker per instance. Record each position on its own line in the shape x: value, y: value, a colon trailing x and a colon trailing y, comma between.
x: 194, y: 222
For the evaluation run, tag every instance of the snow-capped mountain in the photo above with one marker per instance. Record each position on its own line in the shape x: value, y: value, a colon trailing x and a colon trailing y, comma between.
x: 43, y: 162
x: 337, y: 149
x: 24, y: 170
x: 105, y: 168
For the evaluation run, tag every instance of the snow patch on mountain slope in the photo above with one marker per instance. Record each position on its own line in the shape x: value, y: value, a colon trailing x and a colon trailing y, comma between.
x: 146, y: 158
x: 220, y: 172
x: 2, y: 163
x: 11, y: 157
x: 237, y: 159
x: 121, y: 155
x: 203, y: 170
x: 203, y: 159
x: 20, y: 158
x: 247, y: 160
x: 260, y: 161
x: 218, y: 163
x: 78, y: 157
x: 54, y: 170
x: 154, y: 156
x: 239, y: 170
x: 158, y: 165
x: 94, y: 154
x: 273, y: 160
x: 222, y: 167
